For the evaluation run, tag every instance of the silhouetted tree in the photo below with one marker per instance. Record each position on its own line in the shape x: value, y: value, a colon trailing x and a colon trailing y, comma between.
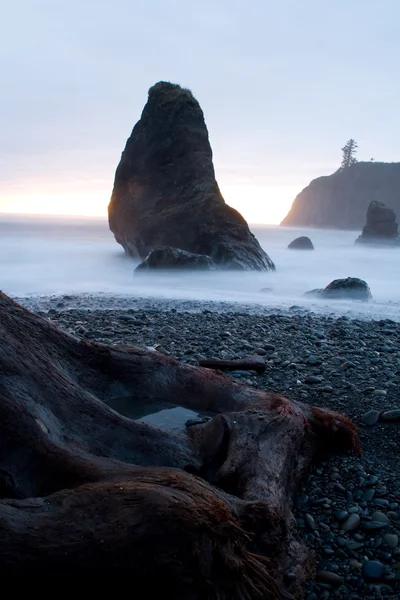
x: 349, y: 151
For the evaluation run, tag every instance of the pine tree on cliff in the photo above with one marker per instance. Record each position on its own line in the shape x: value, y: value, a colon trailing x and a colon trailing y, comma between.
x: 349, y: 151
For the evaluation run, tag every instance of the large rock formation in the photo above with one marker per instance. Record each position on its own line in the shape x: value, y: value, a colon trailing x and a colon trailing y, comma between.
x: 341, y: 200
x: 381, y: 226
x: 165, y: 192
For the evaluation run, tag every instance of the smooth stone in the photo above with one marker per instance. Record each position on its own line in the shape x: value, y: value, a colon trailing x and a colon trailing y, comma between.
x: 381, y: 502
x: 329, y: 578
x: 167, y: 329
x: 341, y: 541
x: 352, y: 523
x: 375, y: 525
x: 372, y: 480
x: 313, y: 360
x: 377, y: 515
x: 393, y: 516
x: 391, y: 540
x: 355, y: 564
x: 373, y: 569
x: 391, y: 415
x: 313, y: 379
x: 310, y: 521
x: 354, y: 510
x: 380, y: 393
x: 371, y: 417
x: 368, y: 495
x: 355, y: 545
x: 341, y: 515
x: 327, y: 389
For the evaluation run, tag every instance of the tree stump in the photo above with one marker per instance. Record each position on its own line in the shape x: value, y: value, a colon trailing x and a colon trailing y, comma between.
x: 204, y: 513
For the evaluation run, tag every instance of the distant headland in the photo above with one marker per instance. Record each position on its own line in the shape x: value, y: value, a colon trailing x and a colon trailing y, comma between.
x: 341, y: 200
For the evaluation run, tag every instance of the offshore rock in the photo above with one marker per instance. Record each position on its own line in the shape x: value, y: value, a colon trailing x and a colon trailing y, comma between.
x: 381, y: 226
x: 165, y: 192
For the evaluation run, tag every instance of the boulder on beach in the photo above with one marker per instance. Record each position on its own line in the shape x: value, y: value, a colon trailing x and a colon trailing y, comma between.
x: 301, y: 243
x: 350, y: 288
x: 381, y: 226
x: 165, y: 192
x: 174, y: 258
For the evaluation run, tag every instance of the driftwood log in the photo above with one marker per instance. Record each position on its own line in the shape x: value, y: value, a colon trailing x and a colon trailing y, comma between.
x: 250, y: 363
x: 203, y: 513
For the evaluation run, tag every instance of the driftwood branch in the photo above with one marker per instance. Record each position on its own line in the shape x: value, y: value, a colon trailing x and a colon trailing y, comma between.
x: 250, y: 363
x: 200, y: 513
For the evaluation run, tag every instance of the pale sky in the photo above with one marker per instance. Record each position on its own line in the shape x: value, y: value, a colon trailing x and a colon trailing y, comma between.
x: 283, y: 85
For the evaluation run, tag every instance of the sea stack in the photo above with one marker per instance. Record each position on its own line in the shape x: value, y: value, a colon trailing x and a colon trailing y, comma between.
x: 381, y: 226
x: 165, y: 192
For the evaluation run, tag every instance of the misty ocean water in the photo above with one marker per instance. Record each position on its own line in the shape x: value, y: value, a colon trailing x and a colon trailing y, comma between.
x: 42, y: 256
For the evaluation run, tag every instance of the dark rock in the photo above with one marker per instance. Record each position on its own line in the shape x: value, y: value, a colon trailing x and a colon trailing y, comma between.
x: 371, y: 417
x: 330, y: 578
x: 301, y: 243
x: 391, y: 415
x: 391, y: 539
x: 381, y: 226
x: 350, y: 288
x: 373, y: 569
x: 174, y: 258
x: 341, y: 200
x: 313, y: 379
x: 352, y: 523
x: 375, y: 525
x: 379, y: 516
x: 165, y: 192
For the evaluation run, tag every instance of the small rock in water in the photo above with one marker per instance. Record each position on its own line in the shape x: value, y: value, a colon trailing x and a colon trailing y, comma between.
x: 371, y: 417
x: 380, y: 393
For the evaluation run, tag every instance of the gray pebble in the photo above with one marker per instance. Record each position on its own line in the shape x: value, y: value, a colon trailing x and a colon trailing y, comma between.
x: 310, y: 521
x: 168, y: 329
x: 330, y: 578
x: 371, y: 417
x: 391, y: 540
x: 352, y: 523
x: 313, y: 379
x: 391, y: 415
x: 377, y: 515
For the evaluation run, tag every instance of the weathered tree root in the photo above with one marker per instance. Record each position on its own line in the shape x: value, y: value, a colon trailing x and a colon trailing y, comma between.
x: 201, y: 514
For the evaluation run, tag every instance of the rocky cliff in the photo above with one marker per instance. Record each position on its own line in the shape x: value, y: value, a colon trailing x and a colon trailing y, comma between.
x: 165, y: 192
x: 341, y: 200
